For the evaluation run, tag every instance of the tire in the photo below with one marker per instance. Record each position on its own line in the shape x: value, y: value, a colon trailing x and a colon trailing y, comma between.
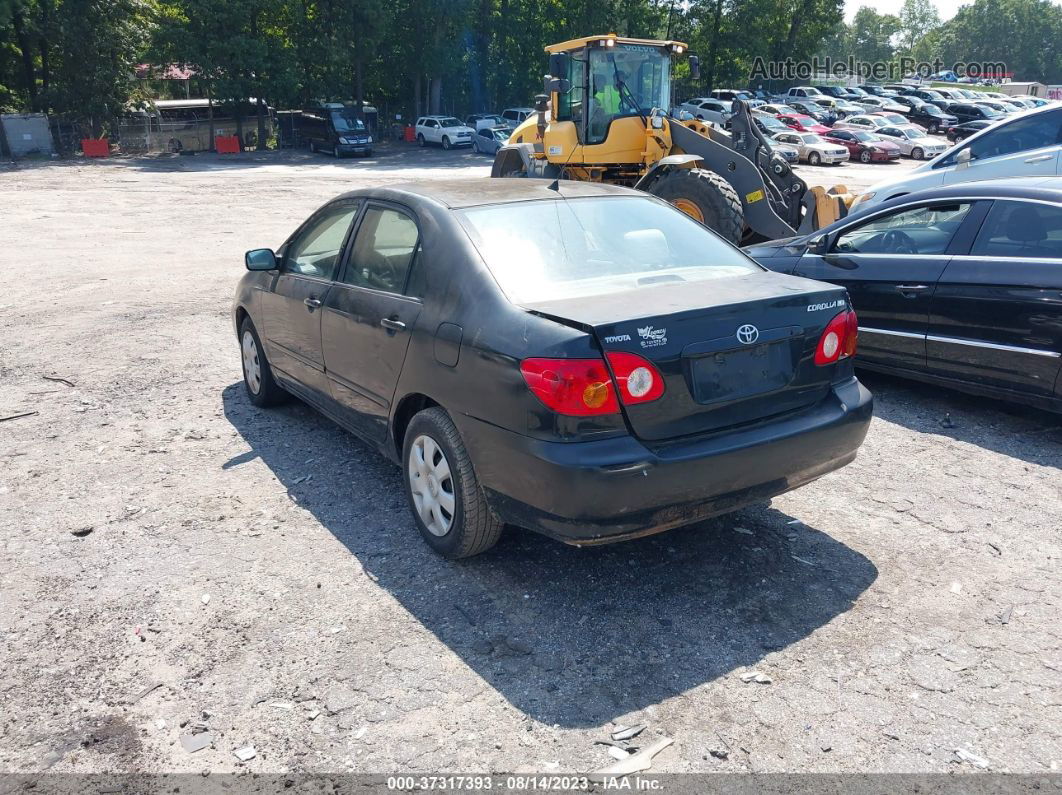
x: 917, y: 153
x: 420, y: 140
x: 475, y: 146
x: 865, y: 156
x: 336, y: 153
x: 708, y: 194
x: 446, y: 142
x: 268, y: 391
x: 313, y: 148
x: 814, y: 159
x: 432, y: 439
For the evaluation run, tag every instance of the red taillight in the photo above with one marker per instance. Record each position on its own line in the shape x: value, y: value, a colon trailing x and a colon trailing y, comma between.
x: 838, y: 341
x: 576, y: 387
x: 639, y: 381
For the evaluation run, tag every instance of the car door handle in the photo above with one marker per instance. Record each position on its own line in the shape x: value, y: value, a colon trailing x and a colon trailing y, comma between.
x: 911, y: 288
x: 391, y: 323
x: 312, y: 303
x: 1040, y: 158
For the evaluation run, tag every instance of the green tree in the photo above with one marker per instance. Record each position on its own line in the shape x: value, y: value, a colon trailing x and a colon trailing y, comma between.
x: 1026, y: 35
x: 917, y: 18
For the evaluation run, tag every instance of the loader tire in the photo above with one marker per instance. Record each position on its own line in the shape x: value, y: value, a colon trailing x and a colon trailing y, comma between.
x: 706, y: 197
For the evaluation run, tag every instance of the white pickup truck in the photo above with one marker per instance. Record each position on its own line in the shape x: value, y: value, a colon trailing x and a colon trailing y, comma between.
x: 801, y: 92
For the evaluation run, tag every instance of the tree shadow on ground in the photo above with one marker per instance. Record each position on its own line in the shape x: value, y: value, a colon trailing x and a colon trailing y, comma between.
x: 569, y: 636
x: 390, y: 156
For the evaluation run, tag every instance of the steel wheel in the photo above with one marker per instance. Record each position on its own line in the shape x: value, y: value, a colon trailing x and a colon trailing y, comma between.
x: 432, y: 485
x: 252, y: 367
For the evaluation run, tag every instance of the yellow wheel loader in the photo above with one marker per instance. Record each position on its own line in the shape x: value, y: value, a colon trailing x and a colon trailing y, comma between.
x: 605, y: 118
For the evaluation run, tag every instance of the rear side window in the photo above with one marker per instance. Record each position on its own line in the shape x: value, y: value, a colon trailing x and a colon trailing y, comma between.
x: 1021, y: 229
x: 1020, y: 135
x: 555, y: 249
x: 921, y: 230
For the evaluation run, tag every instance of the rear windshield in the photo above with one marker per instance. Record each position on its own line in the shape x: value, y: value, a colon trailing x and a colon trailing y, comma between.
x: 545, y: 250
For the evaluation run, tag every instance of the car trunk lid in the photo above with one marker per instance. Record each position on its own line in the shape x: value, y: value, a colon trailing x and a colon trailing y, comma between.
x: 731, y: 351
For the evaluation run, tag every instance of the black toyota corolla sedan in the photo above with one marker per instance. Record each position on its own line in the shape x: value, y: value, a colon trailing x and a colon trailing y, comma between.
x: 959, y: 286
x: 582, y: 360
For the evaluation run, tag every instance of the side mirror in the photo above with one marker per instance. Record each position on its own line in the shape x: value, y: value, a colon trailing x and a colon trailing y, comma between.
x: 260, y: 259
x: 559, y: 64
x: 818, y: 245
x: 963, y: 158
x: 695, y: 67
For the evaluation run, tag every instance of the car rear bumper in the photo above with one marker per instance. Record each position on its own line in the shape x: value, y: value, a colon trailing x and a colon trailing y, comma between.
x: 611, y: 489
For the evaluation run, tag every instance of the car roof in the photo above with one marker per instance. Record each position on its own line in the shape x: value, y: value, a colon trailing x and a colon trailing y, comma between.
x: 459, y: 193
x: 1043, y: 188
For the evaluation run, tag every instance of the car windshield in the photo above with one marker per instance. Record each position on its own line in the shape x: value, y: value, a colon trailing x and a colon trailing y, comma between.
x: 811, y: 139
x: 557, y: 249
x: 347, y: 123
x: 501, y: 135
x: 450, y: 122
x: 911, y: 134
x: 931, y: 110
x: 770, y: 122
x: 859, y: 135
x: 495, y: 119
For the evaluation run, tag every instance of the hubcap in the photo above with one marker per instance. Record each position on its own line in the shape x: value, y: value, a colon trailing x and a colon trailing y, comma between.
x: 690, y: 208
x: 252, y: 368
x: 432, y: 485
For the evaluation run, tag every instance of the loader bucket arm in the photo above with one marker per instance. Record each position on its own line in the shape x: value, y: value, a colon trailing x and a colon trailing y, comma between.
x: 757, y: 194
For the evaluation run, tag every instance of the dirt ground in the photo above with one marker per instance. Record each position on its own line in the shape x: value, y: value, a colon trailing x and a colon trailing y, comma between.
x: 173, y: 556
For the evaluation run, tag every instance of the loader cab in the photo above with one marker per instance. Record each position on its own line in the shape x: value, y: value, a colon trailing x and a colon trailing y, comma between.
x: 613, y: 81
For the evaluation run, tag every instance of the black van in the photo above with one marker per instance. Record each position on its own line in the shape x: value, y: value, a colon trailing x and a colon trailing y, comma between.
x: 335, y: 128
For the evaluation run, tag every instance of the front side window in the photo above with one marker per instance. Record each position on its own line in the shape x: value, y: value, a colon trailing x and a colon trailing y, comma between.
x: 383, y: 251
x: 1021, y: 229
x: 316, y: 250
x: 626, y: 80
x: 574, y: 248
x: 922, y: 230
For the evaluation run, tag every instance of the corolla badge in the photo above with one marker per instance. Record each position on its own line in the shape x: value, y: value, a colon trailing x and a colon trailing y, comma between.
x: 748, y: 334
x: 652, y: 337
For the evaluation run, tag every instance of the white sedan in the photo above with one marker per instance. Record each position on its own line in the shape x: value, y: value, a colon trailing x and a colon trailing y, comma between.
x: 867, y: 122
x: 880, y: 103
x: 913, y: 143
x: 813, y: 150
x: 717, y: 111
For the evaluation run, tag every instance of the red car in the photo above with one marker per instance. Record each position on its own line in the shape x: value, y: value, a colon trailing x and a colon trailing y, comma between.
x: 864, y: 146
x: 802, y: 123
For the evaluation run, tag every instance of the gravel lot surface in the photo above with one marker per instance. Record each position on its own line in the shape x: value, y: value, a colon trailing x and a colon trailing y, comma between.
x: 173, y: 556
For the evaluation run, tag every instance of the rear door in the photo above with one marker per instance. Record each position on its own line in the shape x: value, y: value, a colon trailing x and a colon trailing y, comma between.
x: 291, y: 309
x: 890, y: 264
x: 1024, y: 147
x: 369, y: 315
x: 996, y: 316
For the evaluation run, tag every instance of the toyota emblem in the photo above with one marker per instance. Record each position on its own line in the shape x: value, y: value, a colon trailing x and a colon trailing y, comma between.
x: 748, y: 334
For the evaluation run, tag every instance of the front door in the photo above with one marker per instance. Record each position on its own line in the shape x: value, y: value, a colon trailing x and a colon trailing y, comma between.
x: 292, y: 309
x: 890, y: 265
x: 996, y: 317
x: 368, y: 317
